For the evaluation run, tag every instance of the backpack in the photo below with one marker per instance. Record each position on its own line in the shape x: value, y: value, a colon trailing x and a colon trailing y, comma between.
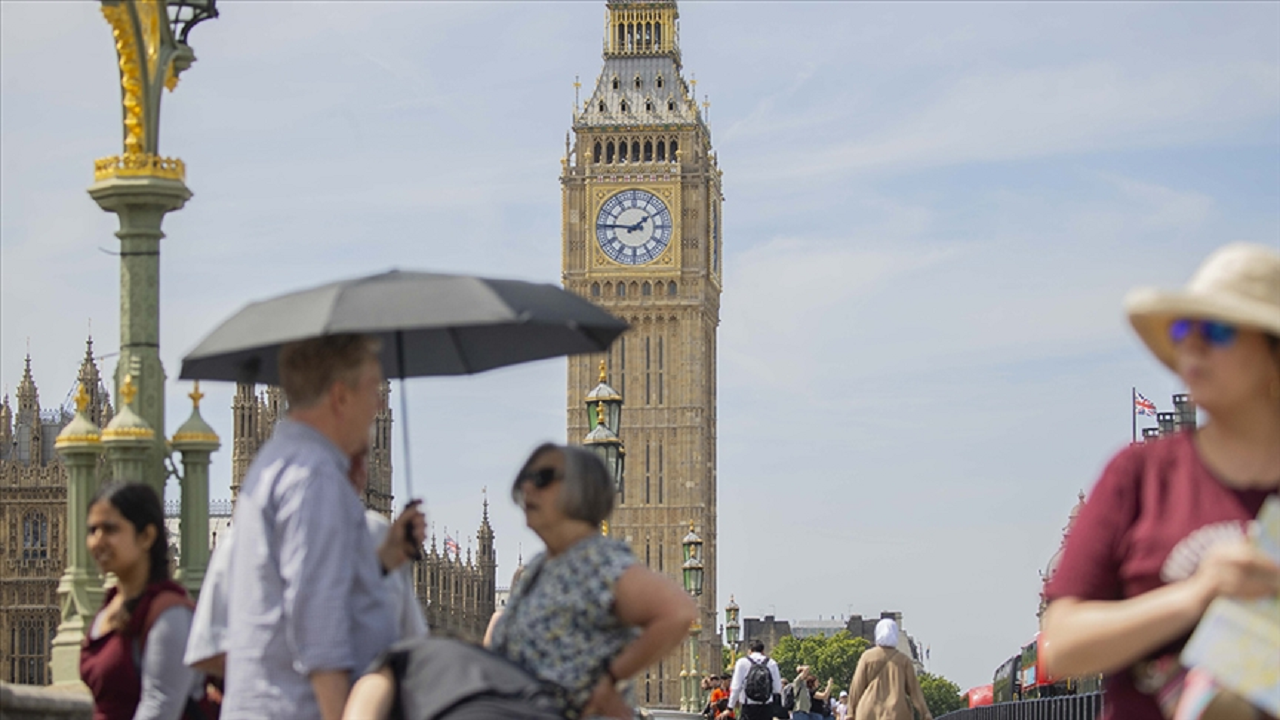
x: 209, y: 706
x: 788, y: 698
x: 759, y: 682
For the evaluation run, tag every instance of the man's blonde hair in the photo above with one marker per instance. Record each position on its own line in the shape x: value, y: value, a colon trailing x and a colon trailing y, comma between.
x: 308, y: 368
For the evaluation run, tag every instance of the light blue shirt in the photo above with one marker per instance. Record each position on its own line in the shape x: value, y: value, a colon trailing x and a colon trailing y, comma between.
x: 305, y: 591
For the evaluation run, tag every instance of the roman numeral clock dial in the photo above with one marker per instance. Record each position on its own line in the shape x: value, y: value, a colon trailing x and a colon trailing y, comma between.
x: 633, y: 227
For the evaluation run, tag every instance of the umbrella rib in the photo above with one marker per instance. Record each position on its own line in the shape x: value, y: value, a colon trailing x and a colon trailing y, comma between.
x: 457, y: 347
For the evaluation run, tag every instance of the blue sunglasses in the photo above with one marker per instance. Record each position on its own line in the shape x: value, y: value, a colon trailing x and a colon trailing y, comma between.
x: 1217, y: 334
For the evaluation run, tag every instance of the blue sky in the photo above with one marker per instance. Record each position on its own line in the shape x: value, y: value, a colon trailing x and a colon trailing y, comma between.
x: 933, y: 211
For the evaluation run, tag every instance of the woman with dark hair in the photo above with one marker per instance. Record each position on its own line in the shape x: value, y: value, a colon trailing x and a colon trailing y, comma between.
x: 132, y: 658
x: 1164, y: 530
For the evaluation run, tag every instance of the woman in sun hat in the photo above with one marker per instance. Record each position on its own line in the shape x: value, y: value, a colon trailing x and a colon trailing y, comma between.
x: 1163, y: 531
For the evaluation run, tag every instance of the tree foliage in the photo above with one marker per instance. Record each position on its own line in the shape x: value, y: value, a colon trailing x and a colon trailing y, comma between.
x: 835, y: 657
x: 940, y: 694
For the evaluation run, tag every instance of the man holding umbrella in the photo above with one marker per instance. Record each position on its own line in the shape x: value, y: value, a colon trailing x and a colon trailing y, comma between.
x: 307, y: 608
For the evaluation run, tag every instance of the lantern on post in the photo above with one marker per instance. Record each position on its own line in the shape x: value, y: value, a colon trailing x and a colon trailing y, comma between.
x: 605, y: 443
x: 732, y: 628
x: 612, y: 404
x: 693, y: 569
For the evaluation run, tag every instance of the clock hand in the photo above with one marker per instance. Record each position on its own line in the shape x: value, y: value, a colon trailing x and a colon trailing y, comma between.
x: 637, y: 226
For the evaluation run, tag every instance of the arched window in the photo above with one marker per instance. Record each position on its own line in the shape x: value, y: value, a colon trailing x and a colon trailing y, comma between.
x: 635, y: 288
x: 674, y: 149
x: 622, y: 151
x: 595, y: 153
x: 662, y: 151
x: 622, y: 289
x: 638, y: 82
x: 646, y: 289
x: 622, y: 40
x: 601, y: 106
x: 657, y: 36
x: 671, y: 288
x: 671, y: 106
x: 648, y: 36
x: 648, y: 151
x: 624, y: 106
x: 35, y: 536
x: 648, y: 106
x: 595, y: 289
x: 658, y: 80
x: 608, y: 153
x: 657, y: 288
x: 608, y: 288
x: 615, y: 82
x: 635, y: 150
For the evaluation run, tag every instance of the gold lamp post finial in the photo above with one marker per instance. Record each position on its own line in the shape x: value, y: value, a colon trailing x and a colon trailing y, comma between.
x: 196, y: 396
x: 603, y: 375
x: 600, y: 413
x: 82, y: 399
x: 128, y: 391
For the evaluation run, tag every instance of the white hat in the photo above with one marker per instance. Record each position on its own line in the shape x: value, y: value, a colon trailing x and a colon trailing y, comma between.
x: 1237, y: 284
x: 844, y: 693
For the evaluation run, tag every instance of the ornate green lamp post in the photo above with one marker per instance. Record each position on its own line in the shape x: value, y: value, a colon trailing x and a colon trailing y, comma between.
x: 691, y: 700
x: 141, y: 186
x: 604, y: 417
x: 196, y: 441
x: 79, y: 589
x: 732, y: 627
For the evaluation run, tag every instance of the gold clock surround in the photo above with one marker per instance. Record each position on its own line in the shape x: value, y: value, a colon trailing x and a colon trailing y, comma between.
x: 668, y: 261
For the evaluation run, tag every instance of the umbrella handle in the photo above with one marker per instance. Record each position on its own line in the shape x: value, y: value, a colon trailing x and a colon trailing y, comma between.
x: 404, y: 435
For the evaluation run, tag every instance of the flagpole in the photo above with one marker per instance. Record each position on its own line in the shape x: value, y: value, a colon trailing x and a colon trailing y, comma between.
x: 1133, y: 411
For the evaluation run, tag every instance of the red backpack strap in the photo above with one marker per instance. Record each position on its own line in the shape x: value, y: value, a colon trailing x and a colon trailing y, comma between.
x: 161, y: 602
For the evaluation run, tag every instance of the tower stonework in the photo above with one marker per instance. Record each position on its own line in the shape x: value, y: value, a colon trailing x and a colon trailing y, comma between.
x: 641, y: 196
x: 254, y: 418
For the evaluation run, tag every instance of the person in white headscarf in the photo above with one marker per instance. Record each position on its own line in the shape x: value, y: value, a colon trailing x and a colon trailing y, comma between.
x: 885, y: 686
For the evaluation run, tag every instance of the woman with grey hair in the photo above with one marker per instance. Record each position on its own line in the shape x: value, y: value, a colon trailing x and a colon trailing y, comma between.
x: 585, y: 615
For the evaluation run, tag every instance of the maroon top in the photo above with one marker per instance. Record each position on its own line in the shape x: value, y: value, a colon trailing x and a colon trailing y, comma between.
x: 1148, y: 521
x: 106, y: 664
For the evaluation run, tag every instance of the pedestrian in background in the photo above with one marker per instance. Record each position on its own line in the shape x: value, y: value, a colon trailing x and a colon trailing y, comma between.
x: 132, y: 657
x: 1163, y: 531
x: 756, y: 689
x: 885, y: 686
x: 307, y: 609
x: 810, y: 703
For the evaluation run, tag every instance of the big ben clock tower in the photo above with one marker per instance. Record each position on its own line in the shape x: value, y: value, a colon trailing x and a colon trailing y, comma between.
x: 641, y: 238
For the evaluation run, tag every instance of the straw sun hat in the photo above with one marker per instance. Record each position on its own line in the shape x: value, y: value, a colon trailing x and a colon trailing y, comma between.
x: 1238, y: 284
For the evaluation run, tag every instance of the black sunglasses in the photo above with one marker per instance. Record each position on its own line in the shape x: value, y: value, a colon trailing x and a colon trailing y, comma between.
x: 541, y: 477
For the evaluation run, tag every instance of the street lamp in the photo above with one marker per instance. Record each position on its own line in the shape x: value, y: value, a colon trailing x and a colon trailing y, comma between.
x: 605, y: 442
x: 612, y: 400
x: 693, y: 571
x: 732, y: 628
x: 692, y: 576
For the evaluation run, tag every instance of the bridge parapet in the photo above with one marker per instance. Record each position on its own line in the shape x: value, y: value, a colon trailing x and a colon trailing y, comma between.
x: 1067, y: 707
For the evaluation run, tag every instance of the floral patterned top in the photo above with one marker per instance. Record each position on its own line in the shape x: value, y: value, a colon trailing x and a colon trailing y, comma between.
x: 560, y: 623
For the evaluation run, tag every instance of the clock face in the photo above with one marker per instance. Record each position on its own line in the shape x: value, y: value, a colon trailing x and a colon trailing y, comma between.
x: 633, y: 227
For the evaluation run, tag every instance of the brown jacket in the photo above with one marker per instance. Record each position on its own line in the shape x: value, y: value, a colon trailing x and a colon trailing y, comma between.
x: 885, y: 687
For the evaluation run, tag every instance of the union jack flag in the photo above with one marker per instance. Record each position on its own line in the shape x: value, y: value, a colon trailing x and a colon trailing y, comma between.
x: 450, y: 546
x: 1143, y: 406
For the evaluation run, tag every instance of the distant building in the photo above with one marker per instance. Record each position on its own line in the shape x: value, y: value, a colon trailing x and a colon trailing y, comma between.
x: 33, y: 510
x: 771, y: 630
x: 767, y: 629
x: 457, y: 596
x: 816, y: 628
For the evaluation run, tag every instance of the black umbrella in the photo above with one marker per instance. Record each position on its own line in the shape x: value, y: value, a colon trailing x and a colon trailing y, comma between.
x: 430, y: 324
